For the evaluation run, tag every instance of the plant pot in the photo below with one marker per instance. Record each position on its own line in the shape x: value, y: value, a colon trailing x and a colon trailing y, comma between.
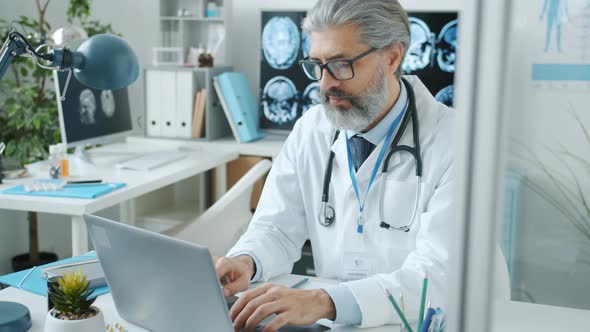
x: 92, y: 324
x: 23, y: 262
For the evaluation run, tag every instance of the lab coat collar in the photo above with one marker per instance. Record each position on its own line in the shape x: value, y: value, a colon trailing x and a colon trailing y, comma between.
x: 425, y: 106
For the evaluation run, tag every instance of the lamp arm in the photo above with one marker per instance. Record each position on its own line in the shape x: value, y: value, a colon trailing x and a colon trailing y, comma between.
x: 15, y: 45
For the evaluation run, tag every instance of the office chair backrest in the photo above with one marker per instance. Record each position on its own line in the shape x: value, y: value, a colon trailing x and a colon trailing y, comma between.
x: 220, y: 227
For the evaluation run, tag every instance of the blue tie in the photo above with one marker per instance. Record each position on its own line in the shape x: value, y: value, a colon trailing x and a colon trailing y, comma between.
x: 360, y: 150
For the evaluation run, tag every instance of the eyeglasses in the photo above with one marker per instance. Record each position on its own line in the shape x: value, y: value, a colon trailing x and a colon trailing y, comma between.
x: 341, y: 70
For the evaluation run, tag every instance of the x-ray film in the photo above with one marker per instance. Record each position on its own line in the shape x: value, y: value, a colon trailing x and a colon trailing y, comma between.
x: 283, y: 84
x: 432, y: 52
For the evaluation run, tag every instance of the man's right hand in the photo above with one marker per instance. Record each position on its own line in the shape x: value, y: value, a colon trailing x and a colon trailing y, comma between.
x: 235, y: 273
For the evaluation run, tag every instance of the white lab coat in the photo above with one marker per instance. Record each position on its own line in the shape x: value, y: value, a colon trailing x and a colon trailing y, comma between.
x: 290, y: 205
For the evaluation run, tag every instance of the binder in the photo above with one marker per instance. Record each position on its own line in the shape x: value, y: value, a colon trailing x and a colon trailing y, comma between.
x: 31, y: 280
x: 198, y: 129
x: 184, y: 104
x: 239, y: 105
x: 168, y: 103
x: 153, y: 114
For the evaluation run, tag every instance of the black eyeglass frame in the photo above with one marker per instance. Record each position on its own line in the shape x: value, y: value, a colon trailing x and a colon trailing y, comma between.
x: 325, y: 65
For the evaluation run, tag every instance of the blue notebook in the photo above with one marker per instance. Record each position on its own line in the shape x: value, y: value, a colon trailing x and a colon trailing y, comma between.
x: 31, y: 281
x: 88, y: 191
x: 239, y: 105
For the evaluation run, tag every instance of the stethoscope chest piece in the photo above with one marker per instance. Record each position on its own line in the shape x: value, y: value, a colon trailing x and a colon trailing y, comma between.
x: 327, y: 215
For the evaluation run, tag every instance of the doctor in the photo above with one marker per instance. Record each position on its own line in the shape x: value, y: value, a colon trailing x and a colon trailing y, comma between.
x: 373, y: 223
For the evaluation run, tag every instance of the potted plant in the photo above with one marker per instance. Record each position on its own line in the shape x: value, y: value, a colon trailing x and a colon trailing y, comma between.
x: 73, y: 309
x: 28, y: 109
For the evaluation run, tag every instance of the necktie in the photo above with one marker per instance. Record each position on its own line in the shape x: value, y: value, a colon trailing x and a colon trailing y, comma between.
x: 360, y: 150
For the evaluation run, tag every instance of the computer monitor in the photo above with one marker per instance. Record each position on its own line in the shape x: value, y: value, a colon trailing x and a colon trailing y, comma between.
x: 90, y: 116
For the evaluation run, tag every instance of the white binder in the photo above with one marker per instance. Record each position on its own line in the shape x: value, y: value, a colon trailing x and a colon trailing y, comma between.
x: 185, y: 88
x: 153, y: 105
x: 168, y: 103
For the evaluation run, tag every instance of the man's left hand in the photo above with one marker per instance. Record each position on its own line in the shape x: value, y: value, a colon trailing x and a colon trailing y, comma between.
x: 291, y: 306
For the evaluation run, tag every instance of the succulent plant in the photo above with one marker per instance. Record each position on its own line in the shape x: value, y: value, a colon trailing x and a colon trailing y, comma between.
x: 71, y: 297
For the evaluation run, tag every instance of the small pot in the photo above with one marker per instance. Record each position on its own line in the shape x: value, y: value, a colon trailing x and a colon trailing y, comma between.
x: 92, y: 324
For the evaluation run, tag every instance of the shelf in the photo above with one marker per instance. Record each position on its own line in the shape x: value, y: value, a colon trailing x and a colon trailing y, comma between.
x: 192, y: 18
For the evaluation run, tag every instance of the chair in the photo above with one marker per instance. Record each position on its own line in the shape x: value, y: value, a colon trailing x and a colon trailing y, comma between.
x: 220, y: 227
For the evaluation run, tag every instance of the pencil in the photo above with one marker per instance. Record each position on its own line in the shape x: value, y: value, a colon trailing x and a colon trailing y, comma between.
x: 398, y: 310
x: 423, y: 302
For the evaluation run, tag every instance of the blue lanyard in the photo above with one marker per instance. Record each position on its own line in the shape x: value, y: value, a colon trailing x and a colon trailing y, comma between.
x: 361, y: 221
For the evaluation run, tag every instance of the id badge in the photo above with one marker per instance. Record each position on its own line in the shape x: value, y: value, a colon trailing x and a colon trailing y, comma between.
x: 355, y: 265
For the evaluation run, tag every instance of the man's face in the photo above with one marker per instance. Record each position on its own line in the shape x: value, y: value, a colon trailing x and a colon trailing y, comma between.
x: 351, y: 104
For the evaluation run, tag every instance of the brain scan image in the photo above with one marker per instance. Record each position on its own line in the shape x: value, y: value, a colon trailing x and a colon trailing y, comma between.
x: 280, y: 42
x: 311, y: 96
x: 445, y: 95
x: 280, y: 100
x: 305, y: 44
x: 421, y: 49
x: 446, y: 47
x: 87, y: 107
x: 107, y: 100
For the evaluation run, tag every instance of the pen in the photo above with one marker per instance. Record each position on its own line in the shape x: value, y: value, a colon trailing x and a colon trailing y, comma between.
x: 398, y: 310
x: 427, y: 320
x: 300, y: 283
x: 84, y: 181
x: 422, y: 302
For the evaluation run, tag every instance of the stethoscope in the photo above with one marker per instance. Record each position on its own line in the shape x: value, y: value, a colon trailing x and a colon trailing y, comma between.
x: 327, y: 217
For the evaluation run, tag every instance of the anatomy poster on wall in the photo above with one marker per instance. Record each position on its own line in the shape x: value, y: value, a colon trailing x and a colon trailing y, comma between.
x: 432, y: 52
x: 559, y: 38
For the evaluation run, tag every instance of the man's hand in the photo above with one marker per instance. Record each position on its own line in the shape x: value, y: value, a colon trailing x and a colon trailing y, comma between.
x: 235, y: 273
x: 291, y: 306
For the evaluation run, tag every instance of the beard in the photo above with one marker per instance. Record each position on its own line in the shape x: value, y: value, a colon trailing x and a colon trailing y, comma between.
x: 364, y: 108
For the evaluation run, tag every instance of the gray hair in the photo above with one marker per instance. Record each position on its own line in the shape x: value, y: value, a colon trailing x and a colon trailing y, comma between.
x: 381, y: 22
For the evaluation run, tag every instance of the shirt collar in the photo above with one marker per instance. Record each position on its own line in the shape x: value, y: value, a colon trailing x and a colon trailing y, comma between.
x: 377, y: 133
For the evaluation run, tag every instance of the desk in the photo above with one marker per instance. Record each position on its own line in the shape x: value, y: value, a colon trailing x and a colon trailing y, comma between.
x: 199, y: 160
x: 510, y: 316
x: 38, y: 307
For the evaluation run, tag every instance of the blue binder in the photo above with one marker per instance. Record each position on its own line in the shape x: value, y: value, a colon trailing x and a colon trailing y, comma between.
x: 239, y: 105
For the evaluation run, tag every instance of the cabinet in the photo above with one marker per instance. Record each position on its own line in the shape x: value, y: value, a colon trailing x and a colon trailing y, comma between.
x: 170, y: 102
x: 186, y: 24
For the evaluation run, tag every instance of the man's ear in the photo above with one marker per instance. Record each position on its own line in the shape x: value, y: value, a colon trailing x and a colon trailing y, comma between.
x: 394, y: 54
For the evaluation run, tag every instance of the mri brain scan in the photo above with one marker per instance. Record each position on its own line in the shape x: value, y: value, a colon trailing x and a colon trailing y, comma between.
x: 279, y: 100
x: 87, y: 107
x: 445, y: 95
x: 280, y: 42
x: 446, y: 47
x: 107, y: 100
x: 421, y: 48
x: 311, y: 96
x: 305, y: 44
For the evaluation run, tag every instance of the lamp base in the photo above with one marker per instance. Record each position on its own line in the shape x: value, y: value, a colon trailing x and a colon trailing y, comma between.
x: 14, y: 317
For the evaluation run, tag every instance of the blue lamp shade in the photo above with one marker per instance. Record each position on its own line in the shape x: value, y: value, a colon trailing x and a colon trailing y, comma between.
x: 105, y: 62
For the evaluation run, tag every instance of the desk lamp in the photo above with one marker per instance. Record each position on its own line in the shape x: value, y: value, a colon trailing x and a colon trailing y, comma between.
x: 102, y: 62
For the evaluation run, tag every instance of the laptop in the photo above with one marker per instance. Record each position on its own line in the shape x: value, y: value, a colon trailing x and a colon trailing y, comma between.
x: 161, y: 283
